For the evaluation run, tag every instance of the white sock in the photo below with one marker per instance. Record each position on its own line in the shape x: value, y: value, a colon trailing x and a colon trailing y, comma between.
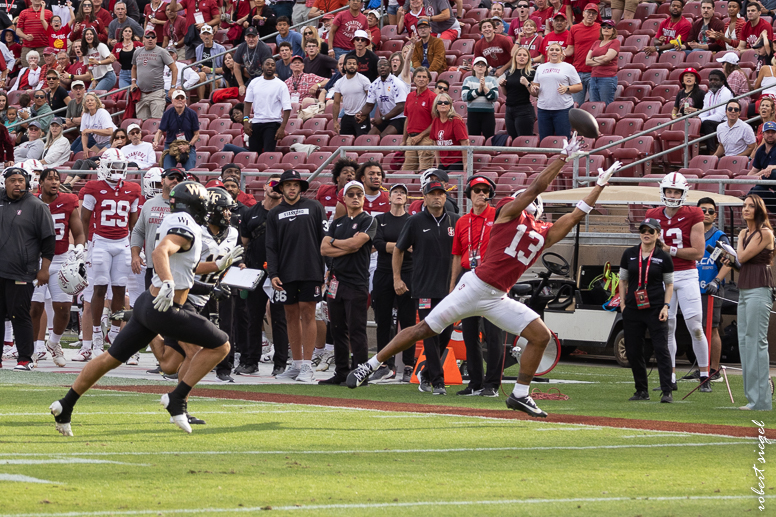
x: 521, y: 390
x: 296, y: 364
x: 96, y: 331
x: 673, y: 377
x: 40, y: 346
x: 307, y: 363
x: 55, y: 338
x: 87, y: 345
x: 329, y: 347
x: 113, y: 332
x: 317, y: 352
x: 374, y: 362
x: 704, y: 374
x: 8, y: 332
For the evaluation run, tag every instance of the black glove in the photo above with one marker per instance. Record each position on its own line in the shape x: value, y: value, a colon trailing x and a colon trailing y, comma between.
x: 712, y: 287
x: 221, y: 292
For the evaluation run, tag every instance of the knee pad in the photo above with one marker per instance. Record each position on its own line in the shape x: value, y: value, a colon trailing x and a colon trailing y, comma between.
x: 695, y: 326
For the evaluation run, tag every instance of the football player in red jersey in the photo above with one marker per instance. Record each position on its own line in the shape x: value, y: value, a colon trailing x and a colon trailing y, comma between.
x: 344, y: 171
x: 67, y: 221
x: 110, y: 208
x: 683, y: 235
x: 376, y: 201
x: 516, y: 240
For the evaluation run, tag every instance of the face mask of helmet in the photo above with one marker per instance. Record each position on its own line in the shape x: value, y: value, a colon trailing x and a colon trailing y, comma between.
x: 536, y: 208
x: 221, y: 207
x: 674, y: 181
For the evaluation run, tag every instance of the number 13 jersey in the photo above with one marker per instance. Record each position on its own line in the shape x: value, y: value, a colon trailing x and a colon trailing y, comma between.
x: 514, y: 246
x: 676, y: 231
x: 110, y: 207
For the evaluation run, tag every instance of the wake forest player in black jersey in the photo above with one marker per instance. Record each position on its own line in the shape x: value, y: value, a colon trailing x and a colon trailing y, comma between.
x: 160, y: 310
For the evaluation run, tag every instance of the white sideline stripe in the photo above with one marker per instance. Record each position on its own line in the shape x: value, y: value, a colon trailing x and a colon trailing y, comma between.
x: 380, y: 451
x: 64, y: 460
x: 23, y: 479
x: 321, y: 507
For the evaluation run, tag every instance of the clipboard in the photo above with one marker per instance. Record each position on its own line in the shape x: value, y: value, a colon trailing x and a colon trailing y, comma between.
x: 247, y: 278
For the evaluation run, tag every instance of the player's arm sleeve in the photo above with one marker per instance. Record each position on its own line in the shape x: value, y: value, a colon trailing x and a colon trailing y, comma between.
x: 406, y: 237
x: 182, y: 231
x: 89, y: 202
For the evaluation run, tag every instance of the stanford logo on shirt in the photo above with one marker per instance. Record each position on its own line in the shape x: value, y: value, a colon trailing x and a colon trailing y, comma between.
x: 450, y: 231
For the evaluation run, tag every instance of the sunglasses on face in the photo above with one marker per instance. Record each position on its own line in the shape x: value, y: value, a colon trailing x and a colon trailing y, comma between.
x: 51, y: 78
x: 151, y: 36
x: 709, y: 211
x: 272, y: 183
x: 120, y: 137
x: 307, y: 33
x: 40, y: 96
x: 522, y: 7
x: 134, y: 132
x: 443, y: 103
x: 734, y: 110
x: 481, y: 190
x: 355, y: 194
x: 33, y: 128
x: 647, y: 230
x: 442, y: 88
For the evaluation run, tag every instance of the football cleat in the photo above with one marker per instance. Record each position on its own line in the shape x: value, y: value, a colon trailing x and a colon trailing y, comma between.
x: 62, y: 418
x: 526, y: 405
x: 56, y: 353
x: 83, y: 355
x: 357, y: 377
x: 177, y: 411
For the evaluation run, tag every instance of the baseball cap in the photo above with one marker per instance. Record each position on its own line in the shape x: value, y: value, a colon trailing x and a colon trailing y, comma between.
x: 498, y: 18
x: 49, y: 50
x: 432, y: 186
x: 399, y: 185
x: 230, y: 166
x: 591, y: 7
x: 607, y: 23
x: 206, y: 29
x: 58, y: 121
x: 251, y: 31
x: 300, y: 58
x: 214, y: 183
x: 439, y: 173
x: 178, y: 93
x: 150, y: 33
x: 373, y: 11
x: 328, y: 16
x: 480, y: 60
x: 77, y: 83
x: 131, y: 127
x: 360, y: 34
x: 769, y: 126
x: 422, y: 21
x: 174, y: 171
x: 650, y: 223
x: 35, y: 123
x: 353, y: 184
x: 730, y: 57
x: 560, y: 15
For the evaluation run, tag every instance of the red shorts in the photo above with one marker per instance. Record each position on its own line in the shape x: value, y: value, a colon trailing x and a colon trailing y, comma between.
x: 449, y: 34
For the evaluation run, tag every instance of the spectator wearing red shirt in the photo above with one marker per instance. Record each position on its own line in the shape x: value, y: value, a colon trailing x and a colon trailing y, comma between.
x: 472, y: 233
x: 448, y: 129
x: 86, y: 19
x: 559, y: 35
x: 344, y: 28
x: 417, y: 109
x: 156, y: 16
x: 602, y: 57
x: 409, y: 20
x: 755, y: 29
x: 343, y: 172
x: 57, y: 33
x: 523, y: 14
x: 174, y: 31
x: 495, y: 48
x: 103, y: 15
x: 583, y: 36
x: 670, y: 28
x: 198, y: 13
x: 531, y: 40
x: 30, y: 28
x: 373, y: 20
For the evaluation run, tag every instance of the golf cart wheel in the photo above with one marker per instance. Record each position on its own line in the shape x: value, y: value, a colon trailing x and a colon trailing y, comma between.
x: 619, y: 350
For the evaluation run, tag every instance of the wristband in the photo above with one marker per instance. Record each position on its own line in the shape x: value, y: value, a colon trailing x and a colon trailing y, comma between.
x: 667, y: 305
x: 584, y: 206
x: 246, y: 119
x: 673, y: 251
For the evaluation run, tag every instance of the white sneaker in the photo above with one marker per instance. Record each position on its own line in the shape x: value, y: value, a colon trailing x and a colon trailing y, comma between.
x: 11, y: 352
x: 39, y: 355
x: 56, y: 353
x: 83, y: 355
x: 134, y: 360
x: 289, y: 375
x: 326, y: 360
x: 267, y: 353
x: 317, y: 355
x: 97, y: 346
x: 306, y: 374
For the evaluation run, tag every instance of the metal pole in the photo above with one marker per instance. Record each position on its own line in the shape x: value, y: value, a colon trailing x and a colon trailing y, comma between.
x: 575, y: 173
x: 686, y: 136
x: 469, y: 160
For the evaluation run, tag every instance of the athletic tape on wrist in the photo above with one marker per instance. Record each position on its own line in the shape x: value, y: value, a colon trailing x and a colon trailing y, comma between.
x: 584, y: 206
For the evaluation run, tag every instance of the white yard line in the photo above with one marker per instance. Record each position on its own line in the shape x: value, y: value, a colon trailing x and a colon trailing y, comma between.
x: 23, y: 479
x: 64, y: 460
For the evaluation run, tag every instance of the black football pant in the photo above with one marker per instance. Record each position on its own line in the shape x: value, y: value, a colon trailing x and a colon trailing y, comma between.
x: 635, y: 324
x: 384, y: 299
x: 257, y: 308
x: 15, y: 301
x: 433, y: 347
x: 494, y: 341
x: 347, y: 316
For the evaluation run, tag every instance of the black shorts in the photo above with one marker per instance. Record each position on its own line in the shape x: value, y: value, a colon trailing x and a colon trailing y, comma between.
x: 398, y: 123
x: 716, y: 315
x: 173, y: 343
x: 177, y: 323
x: 302, y: 291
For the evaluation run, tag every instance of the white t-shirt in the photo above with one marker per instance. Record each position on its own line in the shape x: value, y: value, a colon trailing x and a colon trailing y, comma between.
x: 550, y: 76
x: 270, y: 99
x: 99, y: 53
x: 100, y: 120
x: 353, y: 92
x: 142, y: 154
x: 191, y: 76
x: 387, y: 94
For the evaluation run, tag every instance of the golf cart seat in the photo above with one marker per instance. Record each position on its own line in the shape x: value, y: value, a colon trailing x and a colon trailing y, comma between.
x: 521, y: 290
x: 563, y: 299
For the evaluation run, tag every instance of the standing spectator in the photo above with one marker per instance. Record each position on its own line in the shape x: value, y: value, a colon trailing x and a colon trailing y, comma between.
x: 148, y: 66
x: 58, y: 33
x: 3, y: 106
x: 623, y: 10
x: 736, y: 79
x: 430, y: 233
x: 417, y: 109
x: 344, y: 27
x: 348, y: 243
x: 384, y: 297
x: 263, y: 18
x: 389, y: 94
x: 397, y: 63
x: 57, y: 149
x: 375, y: 36
x: 690, y: 97
x: 316, y: 62
x: 532, y: 41
x: 24, y: 257
x: 301, y: 10
x: 284, y: 9
x: 429, y: 51
x: 602, y: 58
x: 253, y: 233
x: 733, y: 27
x: 516, y: 27
x: 409, y: 20
x: 755, y: 28
x: 32, y: 149
x: 516, y: 82
x: 188, y: 77
x: 321, y: 7
x: 718, y: 93
x: 472, y: 233
x: 30, y: 29
x: 156, y: 17
x: 121, y: 21
x: 6, y: 146
x: 56, y: 96
x: 137, y: 151
x: 174, y: 31
x: 270, y: 101
x: 99, y: 58
x: 712, y: 280
x: 545, y: 14
x: 295, y: 230
x: 736, y: 137
x: 755, y: 284
x: 583, y: 36
x: 764, y: 163
x: 343, y: 172
x: 554, y: 84
x: 480, y: 92
x: 123, y: 52
x: 86, y: 19
x: 560, y: 35
x: 495, y: 48
x: 443, y: 24
x: 367, y: 60
x: 563, y: 7
x: 251, y: 55
x: 648, y: 270
x: 179, y: 124
x: 287, y: 35
x: 283, y: 65
x: 350, y: 91
x: 102, y: 15
x: 670, y: 28
x: 304, y: 86
x: 767, y: 77
x: 79, y: 70
x: 198, y: 13
x: 701, y: 34
x: 767, y: 114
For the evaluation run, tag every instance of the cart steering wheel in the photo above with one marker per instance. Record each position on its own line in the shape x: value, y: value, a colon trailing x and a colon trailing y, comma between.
x: 558, y: 266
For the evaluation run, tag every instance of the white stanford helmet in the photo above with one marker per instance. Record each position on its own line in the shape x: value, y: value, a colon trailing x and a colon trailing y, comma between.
x: 113, y: 166
x: 674, y: 181
x: 34, y: 167
x: 72, y: 277
x: 152, y: 182
x: 536, y: 208
x: 425, y: 177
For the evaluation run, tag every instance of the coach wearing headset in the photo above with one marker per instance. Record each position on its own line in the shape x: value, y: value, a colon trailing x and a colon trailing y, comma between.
x: 27, y: 239
x: 472, y: 232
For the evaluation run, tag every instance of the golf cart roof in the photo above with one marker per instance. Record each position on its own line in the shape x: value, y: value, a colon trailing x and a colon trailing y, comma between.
x: 633, y: 195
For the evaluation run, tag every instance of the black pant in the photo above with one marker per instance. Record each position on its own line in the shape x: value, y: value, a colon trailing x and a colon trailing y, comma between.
x: 635, y: 324
x: 262, y: 139
x: 349, y: 126
x: 494, y: 340
x: 710, y: 127
x: 257, y: 308
x: 384, y: 298
x: 347, y: 315
x: 520, y: 120
x: 481, y: 123
x: 433, y: 348
x: 15, y: 301
x: 148, y: 277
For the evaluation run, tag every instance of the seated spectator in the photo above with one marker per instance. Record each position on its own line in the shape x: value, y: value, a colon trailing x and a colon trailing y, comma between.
x: 96, y: 128
x: 179, y: 152
x: 285, y: 34
x: 311, y: 34
x: 763, y: 164
x: 75, y: 107
x: 230, y: 87
x: 56, y: 96
x: 560, y: 35
x: 30, y: 76
x: 174, y: 31
x: 316, y: 61
x: 495, y: 48
x: 180, y: 120
x: 532, y: 41
x: 429, y: 51
x: 283, y: 65
x: 448, y: 129
x: 409, y: 20
x: 520, y: 113
x: 204, y: 50
x: 32, y: 149
x: 602, y: 58
x: 735, y: 137
x: 443, y: 24
x: 63, y: 61
x: 11, y: 115
x: 480, y: 92
x: 496, y: 9
x: 188, y: 77
x: 3, y: 106
x: 523, y: 11
x: 373, y: 22
x: 767, y: 114
x: 544, y: 13
x: 137, y: 151
x: 441, y: 86
x: 755, y: 28
x: 116, y: 141
x: 728, y: 39
x: 6, y: 147
x: 41, y: 108
x: 304, y: 86
x: 670, y: 29
x: 49, y: 60
x: 719, y: 92
x: 388, y: 93
x: 700, y: 37
x: 690, y: 97
x: 236, y: 116
x: 499, y: 27
x: 263, y: 18
x: 57, y: 149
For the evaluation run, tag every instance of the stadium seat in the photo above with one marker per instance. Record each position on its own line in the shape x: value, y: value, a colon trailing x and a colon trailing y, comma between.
x: 392, y: 45
x: 317, y: 158
x: 481, y: 161
x: 202, y: 157
x: 151, y: 125
x: 623, y: 58
x: 552, y: 142
x: 606, y: 125
x: 628, y: 126
x: 222, y: 158
x: 640, y: 60
x: 220, y: 109
x: 634, y: 93
x: 628, y: 25
x: 654, y: 77
x: 464, y: 46
x: 390, y: 142
x: 713, y: 187
x: 525, y: 141
x: 389, y: 31
x: 628, y: 76
x: 219, y: 125
x: 337, y: 141
x: 606, y: 153
x: 619, y: 109
x: 637, y: 149
x: 127, y: 121
x: 373, y: 156
x: 645, y: 10
x: 319, y: 140
x: 698, y: 59
x: 645, y: 110
x: 735, y: 164
x: 533, y: 160
x: 270, y: 159
x: 635, y: 44
x: 664, y: 92
x: 220, y: 140
x: 284, y: 146
x: 316, y: 124
x: 594, y: 108
x: 506, y: 161
x: 294, y: 159
x: 199, y: 108
x: 690, y: 173
x: 703, y: 163
x: 367, y: 141
x: 451, y: 77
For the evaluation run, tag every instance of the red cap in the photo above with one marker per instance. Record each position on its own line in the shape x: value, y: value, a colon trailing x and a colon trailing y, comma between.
x: 592, y: 7
x: 49, y: 50
x: 690, y: 70
x: 214, y: 183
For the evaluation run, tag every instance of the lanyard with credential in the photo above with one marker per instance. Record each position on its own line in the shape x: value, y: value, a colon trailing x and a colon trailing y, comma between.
x: 649, y: 262
x: 475, y: 255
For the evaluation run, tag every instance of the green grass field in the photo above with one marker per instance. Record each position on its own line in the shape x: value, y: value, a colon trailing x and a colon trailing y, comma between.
x: 127, y: 459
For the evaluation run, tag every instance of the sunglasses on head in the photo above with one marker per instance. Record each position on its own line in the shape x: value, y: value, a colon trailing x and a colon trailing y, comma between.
x: 709, y: 211
x: 647, y: 230
x: 272, y: 183
x: 443, y: 103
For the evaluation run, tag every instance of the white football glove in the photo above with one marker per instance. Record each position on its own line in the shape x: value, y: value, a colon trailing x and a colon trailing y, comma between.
x: 605, y: 175
x: 163, y: 300
x: 79, y: 252
x: 231, y: 257
x: 573, y: 146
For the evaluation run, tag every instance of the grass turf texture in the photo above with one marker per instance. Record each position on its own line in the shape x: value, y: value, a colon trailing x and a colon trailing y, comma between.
x: 276, y: 455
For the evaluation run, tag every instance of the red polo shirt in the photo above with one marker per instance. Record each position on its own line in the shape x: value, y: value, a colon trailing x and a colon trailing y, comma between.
x: 29, y: 22
x: 583, y: 37
x: 472, y: 233
x: 417, y: 109
x: 208, y: 8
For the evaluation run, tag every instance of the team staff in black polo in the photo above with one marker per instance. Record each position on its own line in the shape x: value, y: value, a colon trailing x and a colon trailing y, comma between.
x: 389, y: 226
x: 253, y: 230
x: 295, y: 229
x: 472, y: 233
x: 349, y: 244
x: 646, y: 287
x: 430, y: 234
x: 27, y: 243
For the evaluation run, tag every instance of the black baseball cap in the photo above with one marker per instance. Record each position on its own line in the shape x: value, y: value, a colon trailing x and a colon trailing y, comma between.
x: 251, y: 31
x: 651, y: 223
x: 174, y: 171
x: 432, y: 186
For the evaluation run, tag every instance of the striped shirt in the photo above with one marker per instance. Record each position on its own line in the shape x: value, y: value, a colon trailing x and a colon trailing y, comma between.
x: 735, y: 139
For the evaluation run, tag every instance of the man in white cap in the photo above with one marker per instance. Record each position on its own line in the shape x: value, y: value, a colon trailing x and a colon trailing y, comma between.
x: 206, y: 49
x: 138, y: 152
x: 148, y: 65
x: 367, y: 60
